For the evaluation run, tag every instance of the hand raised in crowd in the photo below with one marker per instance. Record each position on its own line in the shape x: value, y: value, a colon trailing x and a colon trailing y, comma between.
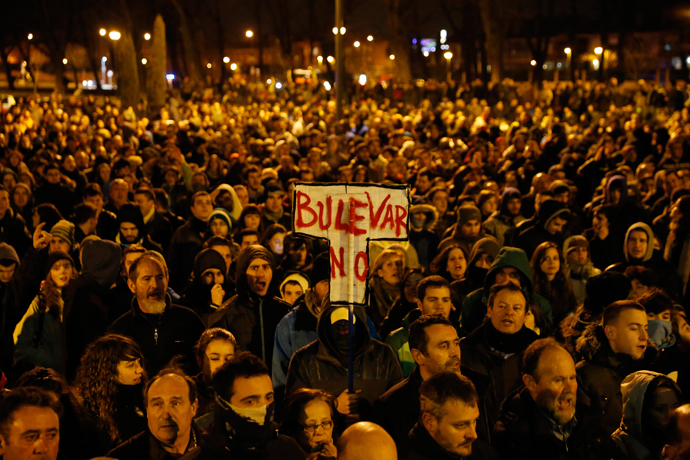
x: 41, y: 238
x: 217, y: 294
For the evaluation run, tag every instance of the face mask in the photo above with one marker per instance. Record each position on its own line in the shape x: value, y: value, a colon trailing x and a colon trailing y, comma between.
x: 660, y: 332
x: 246, y: 428
x: 256, y: 415
x: 417, y: 221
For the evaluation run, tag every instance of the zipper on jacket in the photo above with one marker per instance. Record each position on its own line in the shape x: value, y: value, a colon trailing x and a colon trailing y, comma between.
x: 155, y: 335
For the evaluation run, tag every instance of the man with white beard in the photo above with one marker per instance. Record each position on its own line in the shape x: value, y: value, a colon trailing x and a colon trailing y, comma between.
x: 162, y: 330
x: 542, y: 420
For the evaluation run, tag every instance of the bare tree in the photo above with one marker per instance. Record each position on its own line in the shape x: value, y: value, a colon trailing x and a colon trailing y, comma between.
x: 155, y: 78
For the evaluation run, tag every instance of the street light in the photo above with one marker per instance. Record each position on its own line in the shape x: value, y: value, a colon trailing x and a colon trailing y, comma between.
x: 356, y: 44
x: 319, y: 59
x: 567, y: 51
x: 249, y: 34
x: 330, y: 59
x: 448, y: 55
x: 342, y: 30
x: 392, y: 57
x: 147, y: 36
x: 30, y: 36
x: 598, y: 50
x: 426, y: 54
x: 114, y: 35
x: 144, y: 61
x: 64, y: 61
x: 233, y: 66
x: 102, y: 32
x: 370, y: 38
x: 208, y: 66
x: 226, y: 60
x: 533, y: 63
x: 335, y: 31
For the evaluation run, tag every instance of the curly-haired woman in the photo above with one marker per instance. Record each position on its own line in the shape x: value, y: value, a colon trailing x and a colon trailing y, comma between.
x: 110, y: 381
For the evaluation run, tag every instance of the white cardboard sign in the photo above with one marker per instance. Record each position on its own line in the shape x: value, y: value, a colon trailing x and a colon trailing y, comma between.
x: 349, y: 216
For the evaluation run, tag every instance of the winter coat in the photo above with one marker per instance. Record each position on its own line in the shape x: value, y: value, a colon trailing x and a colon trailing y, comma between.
x: 474, y: 306
x: 398, y: 340
x: 525, y: 432
x: 579, y: 273
x: 529, y: 239
x: 425, y: 240
x: 39, y: 339
x: 13, y: 231
x: 184, y: 246
x: 320, y: 365
x: 500, y: 222
x: 421, y: 446
x: 144, y: 446
x: 601, y: 372
x: 498, y: 357
x: 250, y: 318
x: 162, y: 337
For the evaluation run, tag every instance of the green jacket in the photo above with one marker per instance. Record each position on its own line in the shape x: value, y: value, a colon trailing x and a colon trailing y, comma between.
x: 398, y: 340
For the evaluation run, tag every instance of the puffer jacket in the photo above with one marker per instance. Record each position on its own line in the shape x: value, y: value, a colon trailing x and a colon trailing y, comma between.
x: 250, y: 318
x: 474, y: 306
x: 601, y: 372
x: 320, y: 365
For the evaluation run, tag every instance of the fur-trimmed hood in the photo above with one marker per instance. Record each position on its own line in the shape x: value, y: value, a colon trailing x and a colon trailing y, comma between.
x: 430, y: 213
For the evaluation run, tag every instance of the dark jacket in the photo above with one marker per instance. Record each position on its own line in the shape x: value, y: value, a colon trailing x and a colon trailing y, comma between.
x: 601, y: 372
x: 161, y: 337
x: 160, y: 230
x: 529, y: 239
x: 13, y: 231
x: 525, y: 432
x: 250, y: 318
x: 320, y: 365
x: 397, y: 410
x: 498, y: 357
x: 88, y: 300
x: 474, y: 306
x: 145, y: 446
x: 184, y: 246
x: 421, y: 446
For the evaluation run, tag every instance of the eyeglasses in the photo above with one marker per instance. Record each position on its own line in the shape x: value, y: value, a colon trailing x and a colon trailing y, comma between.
x: 311, y: 429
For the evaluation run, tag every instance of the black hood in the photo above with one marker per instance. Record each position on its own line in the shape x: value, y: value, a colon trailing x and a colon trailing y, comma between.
x: 246, y: 256
x: 325, y: 331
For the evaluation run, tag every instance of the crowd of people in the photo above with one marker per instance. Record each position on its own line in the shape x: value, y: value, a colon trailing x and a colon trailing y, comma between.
x: 156, y: 303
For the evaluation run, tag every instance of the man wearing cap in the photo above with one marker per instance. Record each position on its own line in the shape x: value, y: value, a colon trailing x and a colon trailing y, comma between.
x: 272, y: 211
x: 206, y: 292
x: 62, y: 237
x: 323, y: 364
x: 253, y: 314
x: 133, y: 229
x: 467, y: 231
x: 293, y: 287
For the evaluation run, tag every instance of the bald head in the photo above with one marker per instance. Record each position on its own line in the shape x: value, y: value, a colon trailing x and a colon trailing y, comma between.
x: 678, y: 431
x: 363, y: 438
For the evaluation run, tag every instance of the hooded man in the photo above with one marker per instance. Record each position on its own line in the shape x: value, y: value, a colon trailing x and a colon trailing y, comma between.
x: 639, y: 250
x: 506, y: 217
x: 510, y: 264
x: 88, y: 299
x: 423, y: 219
x: 272, y: 211
x: 206, y: 293
x: 243, y: 427
x: 467, y: 231
x: 552, y: 218
x: 132, y: 229
x: 253, y: 314
x: 323, y: 364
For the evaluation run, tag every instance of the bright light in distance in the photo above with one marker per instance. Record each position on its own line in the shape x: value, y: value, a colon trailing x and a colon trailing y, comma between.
x: 426, y: 54
x: 269, y: 81
x: 320, y: 59
x: 532, y: 62
x: 233, y: 66
x: 104, y: 59
x: 448, y: 55
x: 102, y: 32
x: 335, y: 31
x: 327, y: 85
x: 208, y: 66
x: 444, y: 33
x: 330, y: 59
x: 109, y: 73
x: 595, y: 63
x: 249, y: 34
x: 598, y: 50
x: 170, y: 77
x: 30, y: 36
x: 356, y: 44
x: 342, y: 30
x: 144, y: 61
x: 226, y: 59
x: 64, y: 61
x: 567, y: 51
x: 279, y: 85
x: 370, y: 38
x: 114, y: 35
x: 392, y: 57
x: 362, y: 79
x: 147, y: 36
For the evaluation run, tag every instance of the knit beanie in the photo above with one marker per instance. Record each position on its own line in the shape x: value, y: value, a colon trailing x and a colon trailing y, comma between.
x: 7, y: 253
x: 576, y: 241
x: 300, y: 278
x: 320, y: 269
x: 65, y: 230
x: 207, y: 259
x: 467, y: 213
x: 56, y: 257
x: 222, y: 214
